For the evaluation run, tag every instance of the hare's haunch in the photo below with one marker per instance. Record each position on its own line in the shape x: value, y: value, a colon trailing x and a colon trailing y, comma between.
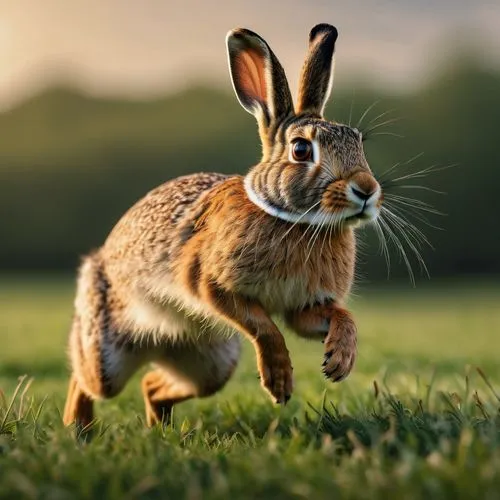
x: 205, y: 257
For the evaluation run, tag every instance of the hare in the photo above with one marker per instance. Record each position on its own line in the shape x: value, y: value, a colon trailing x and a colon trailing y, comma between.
x: 206, y: 257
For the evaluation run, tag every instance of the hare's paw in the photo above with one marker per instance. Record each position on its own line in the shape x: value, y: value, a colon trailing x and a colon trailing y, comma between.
x: 340, y: 347
x: 276, y: 373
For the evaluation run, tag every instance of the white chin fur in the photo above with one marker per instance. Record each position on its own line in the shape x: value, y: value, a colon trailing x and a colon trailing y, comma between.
x: 313, y: 217
x: 369, y: 215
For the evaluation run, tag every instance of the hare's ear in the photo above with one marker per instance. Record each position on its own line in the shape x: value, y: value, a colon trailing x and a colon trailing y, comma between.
x: 258, y: 78
x: 316, y: 77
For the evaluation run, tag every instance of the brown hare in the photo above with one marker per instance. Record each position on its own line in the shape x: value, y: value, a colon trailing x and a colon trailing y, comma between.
x: 205, y: 257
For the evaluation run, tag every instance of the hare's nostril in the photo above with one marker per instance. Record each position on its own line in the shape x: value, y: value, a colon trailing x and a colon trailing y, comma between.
x: 361, y: 194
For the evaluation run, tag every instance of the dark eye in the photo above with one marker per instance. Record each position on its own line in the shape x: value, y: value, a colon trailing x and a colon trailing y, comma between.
x: 302, y: 150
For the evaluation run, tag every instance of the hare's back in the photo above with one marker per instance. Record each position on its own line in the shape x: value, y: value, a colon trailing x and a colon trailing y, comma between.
x: 150, y: 227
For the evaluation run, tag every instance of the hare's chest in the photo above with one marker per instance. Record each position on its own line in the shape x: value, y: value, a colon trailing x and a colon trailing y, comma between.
x: 293, y: 280
x: 284, y: 293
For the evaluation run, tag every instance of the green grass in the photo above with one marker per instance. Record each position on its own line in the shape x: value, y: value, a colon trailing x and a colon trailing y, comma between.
x: 415, y: 419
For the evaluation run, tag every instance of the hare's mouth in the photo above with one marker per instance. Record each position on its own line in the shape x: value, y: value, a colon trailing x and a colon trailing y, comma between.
x: 367, y: 212
x: 366, y: 206
x: 363, y: 216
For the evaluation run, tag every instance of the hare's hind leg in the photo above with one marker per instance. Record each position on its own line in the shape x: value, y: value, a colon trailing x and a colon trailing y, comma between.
x: 78, y: 407
x: 102, y: 359
x: 160, y: 394
x: 101, y: 368
x: 185, y: 372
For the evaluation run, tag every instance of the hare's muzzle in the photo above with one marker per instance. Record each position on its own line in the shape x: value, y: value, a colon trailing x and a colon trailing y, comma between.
x: 365, y: 195
x: 358, y: 198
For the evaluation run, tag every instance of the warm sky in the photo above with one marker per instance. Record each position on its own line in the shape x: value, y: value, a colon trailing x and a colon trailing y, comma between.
x: 145, y: 47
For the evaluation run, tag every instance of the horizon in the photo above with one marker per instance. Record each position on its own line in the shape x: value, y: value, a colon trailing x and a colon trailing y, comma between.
x: 358, y: 82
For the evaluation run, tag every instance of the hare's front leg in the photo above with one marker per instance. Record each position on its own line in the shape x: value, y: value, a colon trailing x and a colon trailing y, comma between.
x: 340, y: 345
x: 249, y: 317
x: 333, y: 324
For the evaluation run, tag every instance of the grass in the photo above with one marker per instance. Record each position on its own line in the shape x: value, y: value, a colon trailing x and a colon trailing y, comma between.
x: 415, y: 419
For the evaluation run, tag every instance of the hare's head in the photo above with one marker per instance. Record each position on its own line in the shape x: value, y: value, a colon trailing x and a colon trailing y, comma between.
x: 312, y: 170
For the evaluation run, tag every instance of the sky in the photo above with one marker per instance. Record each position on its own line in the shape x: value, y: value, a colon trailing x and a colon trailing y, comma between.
x: 145, y: 48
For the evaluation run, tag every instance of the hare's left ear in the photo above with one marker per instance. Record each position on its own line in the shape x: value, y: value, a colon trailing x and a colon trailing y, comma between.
x: 316, y: 77
x: 258, y: 79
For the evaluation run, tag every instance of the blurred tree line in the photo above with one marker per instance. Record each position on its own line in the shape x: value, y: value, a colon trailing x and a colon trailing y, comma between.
x: 70, y: 164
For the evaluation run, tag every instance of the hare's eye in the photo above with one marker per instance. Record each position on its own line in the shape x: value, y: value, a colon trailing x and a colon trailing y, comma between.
x: 302, y: 150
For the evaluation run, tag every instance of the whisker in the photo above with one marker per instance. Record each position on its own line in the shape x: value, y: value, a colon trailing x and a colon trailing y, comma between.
x: 314, y: 234
x: 313, y: 239
x: 383, y: 246
x: 393, y: 134
x: 381, y: 115
x: 401, y: 164
x: 408, y: 199
x: 317, y: 228
x: 411, y: 201
x: 366, y: 112
x: 298, y: 220
x: 398, y: 223
x: 417, y: 234
x: 335, y: 224
x: 415, y: 204
x: 309, y: 226
x: 326, y: 236
x: 417, y: 187
x: 424, y: 172
x: 411, y: 212
x: 378, y: 125
x: 400, y: 248
x: 387, y: 172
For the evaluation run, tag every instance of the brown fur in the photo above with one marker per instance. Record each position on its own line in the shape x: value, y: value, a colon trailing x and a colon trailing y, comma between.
x: 282, y: 253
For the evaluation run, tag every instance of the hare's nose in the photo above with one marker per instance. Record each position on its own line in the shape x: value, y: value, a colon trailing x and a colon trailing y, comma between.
x: 361, y: 194
x: 362, y: 188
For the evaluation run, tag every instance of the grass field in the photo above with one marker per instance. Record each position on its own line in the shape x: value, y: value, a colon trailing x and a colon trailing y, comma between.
x: 415, y: 419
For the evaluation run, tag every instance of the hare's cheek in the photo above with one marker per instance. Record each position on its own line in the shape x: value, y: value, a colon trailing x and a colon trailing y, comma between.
x: 335, y: 198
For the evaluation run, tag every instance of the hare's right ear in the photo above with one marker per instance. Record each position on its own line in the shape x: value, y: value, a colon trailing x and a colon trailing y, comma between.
x: 316, y: 77
x: 258, y: 79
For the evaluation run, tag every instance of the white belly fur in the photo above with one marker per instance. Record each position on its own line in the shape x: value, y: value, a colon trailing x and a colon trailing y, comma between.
x: 287, y: 294
x: 174, y: 320
x: 175, y: 315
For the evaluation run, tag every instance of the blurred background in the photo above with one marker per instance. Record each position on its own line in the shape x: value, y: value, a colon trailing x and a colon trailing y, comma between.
x: 103, y: 100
